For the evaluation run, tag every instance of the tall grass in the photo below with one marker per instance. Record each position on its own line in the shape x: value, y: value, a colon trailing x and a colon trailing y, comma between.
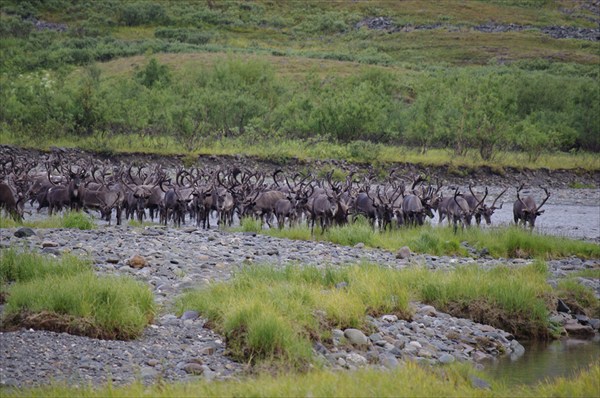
x: 271, y: 316
x: 506, y: 242
x: 516, y: 300
x: 65, y: 295
x: 410, y: 380
x: 578, y: 297
x: 69, y: 219
x: 283, y: 150
x: 23, y: 267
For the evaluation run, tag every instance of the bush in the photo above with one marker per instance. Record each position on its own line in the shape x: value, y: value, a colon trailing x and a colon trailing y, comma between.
x: 142, y: 14
x: 184, y: 35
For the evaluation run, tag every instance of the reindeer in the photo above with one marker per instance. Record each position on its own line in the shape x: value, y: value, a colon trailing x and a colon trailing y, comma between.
x: 525, y: 210
x: 11, y: 200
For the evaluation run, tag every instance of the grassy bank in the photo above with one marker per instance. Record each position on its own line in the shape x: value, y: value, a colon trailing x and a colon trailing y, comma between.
x: 271, y: 317
x: 66, y: 295
x: 69, y: 219
x: 506, y: 242
x: 285, y: 150
x: 409, y: 380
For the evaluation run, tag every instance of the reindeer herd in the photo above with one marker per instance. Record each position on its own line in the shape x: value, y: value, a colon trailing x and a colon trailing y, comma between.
x: 224, y: 194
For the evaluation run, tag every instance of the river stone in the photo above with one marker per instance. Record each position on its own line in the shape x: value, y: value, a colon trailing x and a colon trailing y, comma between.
x: 481, y: 384
x: 191, y: 315
x: 137, y: 261
x: 194, y: 368
x: 428, y: 310
x: 517, y: 349
x: 49, y: 243
x: 446, y: 358
x: 479, y: 356
x: 356, y: 337
x: 562, y: 307
x: 403, y: 253
x: 576, y: 329
x: 389, y: 318
x: 356, y: 359
x: 24, y: 232
x: 389, y: 361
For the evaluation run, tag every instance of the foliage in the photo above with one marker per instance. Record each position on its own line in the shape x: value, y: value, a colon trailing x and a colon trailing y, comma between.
x: 25, y: 266
x: 269, y: 315
x: 412, y: 379
x: 455, y: 94
x: 153, y: 73
x: 579, y: 297
x: 67, y: 296
x: 70, y: 219
x: 507, y: 242
x: 513, y: 299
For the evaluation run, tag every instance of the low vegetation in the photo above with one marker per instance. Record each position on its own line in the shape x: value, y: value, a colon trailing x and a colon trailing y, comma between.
x: 270, y: 317
x: 69, y: 219
x: 506, y: 242
x: 578, y: 297
x: 410, y: 380
x: 67, y: 296
x: 258, y: 79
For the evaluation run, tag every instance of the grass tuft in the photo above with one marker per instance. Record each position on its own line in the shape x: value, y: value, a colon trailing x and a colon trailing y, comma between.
x: 66, y: 296
x: 70, y: 219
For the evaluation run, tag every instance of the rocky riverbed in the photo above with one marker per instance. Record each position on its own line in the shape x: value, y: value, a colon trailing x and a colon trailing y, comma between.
x: 181, y: 348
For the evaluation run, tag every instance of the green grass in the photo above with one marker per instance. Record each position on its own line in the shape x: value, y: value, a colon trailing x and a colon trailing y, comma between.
x: 69, y: 219
x: 286, y: 150
x: 593, y: 273
x: 578, y: 297
x: 506, y: 242
x: 26, y: 266
x: 270, y: 317
x: 513, y: 299
x: 66, y: 296
x: 410, y: 380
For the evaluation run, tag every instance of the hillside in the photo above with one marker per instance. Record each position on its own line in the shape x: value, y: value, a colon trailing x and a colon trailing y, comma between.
x: 469, y: 81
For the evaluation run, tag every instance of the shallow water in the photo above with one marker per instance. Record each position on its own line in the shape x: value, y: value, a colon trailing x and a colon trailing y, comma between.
x: 560, y: 358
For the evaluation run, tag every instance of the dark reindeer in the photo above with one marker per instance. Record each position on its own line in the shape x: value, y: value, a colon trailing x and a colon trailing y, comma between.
x: 11, y: 200
x: 525, y: 210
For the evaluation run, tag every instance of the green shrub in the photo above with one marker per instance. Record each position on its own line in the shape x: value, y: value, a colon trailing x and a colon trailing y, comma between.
x: 184, y: 35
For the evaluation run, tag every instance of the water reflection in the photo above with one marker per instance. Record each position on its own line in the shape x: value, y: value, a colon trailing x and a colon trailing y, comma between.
x: 560, y: 358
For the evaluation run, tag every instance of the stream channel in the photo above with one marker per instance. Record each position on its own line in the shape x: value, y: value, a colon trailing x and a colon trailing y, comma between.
x: 559, y: 358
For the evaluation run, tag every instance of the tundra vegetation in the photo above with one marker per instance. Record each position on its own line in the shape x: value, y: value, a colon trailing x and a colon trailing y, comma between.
x: 308, y: 80
x: 66, y: 296
x: 411, y: 380
x: 69, y: 219
x: 303, y: 79
x: 505, y: 242
x: 272, y: 316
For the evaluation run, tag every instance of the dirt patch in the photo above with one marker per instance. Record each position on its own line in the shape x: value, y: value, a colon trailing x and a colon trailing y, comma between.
x: 520, y: 325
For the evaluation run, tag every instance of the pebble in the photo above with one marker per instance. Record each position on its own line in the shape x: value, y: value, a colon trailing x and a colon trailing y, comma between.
x: 170, y: 348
